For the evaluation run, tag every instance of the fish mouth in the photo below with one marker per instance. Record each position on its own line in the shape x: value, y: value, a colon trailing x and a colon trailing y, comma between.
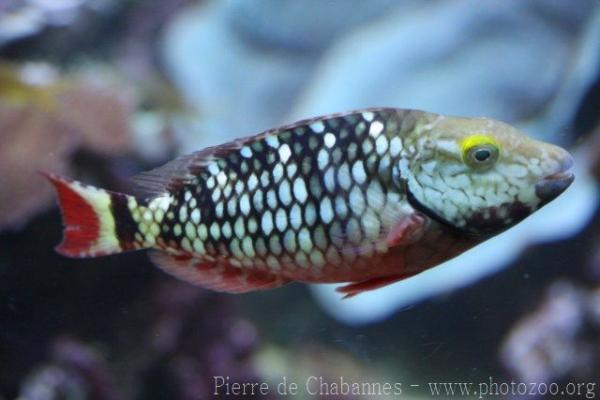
x: 551, y: 186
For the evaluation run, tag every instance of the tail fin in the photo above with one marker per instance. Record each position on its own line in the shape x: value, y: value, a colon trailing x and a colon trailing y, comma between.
x: 90, y: 228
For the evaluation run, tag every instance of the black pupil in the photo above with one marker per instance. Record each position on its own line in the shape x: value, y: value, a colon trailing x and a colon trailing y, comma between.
x: 482, y: 155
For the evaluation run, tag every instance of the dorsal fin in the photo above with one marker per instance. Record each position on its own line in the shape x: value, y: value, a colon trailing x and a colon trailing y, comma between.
x: 176, y: 173
x: 171, y: 176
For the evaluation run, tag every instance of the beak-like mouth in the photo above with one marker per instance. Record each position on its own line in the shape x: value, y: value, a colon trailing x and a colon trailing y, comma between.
x: 553, y: 185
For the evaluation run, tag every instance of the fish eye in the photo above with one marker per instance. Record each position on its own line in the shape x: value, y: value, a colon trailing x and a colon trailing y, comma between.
x: 480, y: 151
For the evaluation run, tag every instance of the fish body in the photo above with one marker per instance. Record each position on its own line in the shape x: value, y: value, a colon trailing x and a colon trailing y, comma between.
x: 367, y: 197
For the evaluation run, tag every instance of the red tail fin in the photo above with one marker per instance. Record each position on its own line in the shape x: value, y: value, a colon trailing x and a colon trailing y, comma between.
x: 87, y: 218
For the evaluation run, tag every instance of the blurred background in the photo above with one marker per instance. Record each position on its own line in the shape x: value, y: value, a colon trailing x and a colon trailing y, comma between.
x: 100, y: 90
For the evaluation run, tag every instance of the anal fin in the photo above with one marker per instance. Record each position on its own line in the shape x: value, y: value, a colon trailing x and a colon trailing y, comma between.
x: 354, y: 288
x: 220, y: 276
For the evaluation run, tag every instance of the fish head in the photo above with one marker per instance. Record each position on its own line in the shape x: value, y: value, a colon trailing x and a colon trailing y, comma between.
x: 480, y: 175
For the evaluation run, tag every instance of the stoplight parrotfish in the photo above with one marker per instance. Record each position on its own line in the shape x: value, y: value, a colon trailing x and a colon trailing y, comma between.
x: 368, y: 197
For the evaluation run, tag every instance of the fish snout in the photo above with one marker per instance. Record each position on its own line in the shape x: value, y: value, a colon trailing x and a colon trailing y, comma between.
x: 551, y: 186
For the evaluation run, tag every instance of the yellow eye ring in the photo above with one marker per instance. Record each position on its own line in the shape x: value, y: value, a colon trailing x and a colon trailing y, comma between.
x: 480, y: 151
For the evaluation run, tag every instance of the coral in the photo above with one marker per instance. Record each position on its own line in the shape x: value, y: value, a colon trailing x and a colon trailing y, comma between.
x: 554, y: 342
x: 43, y: 121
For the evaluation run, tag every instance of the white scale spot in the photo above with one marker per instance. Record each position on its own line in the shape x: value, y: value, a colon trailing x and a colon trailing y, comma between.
x: 310, y: 214
x: 317, y: 127
x: 154, y: 229
x: 215, y: 194
x: 272, y: 262
x: 322, y: 159
x: 245, y: 151
x: 296, y: 216
x: 177, y: 230
x: 239, y: 187
x: 239, y: 227
x: 289, y: 241
x: 252, y: 225
x: 147, y: 215
x: 227, y: 190
x: 185, y: 243
x: 264, y: 179
x: 353, y: 231
x: 261, y: 247
x: 375, y: 196
x: 159, y: 215
x: 291, y: 170
x: 248, y: 247
x: 285, y: 153
x: 281, y: 219
x: 252, y: 182
x: 315, y: 186
x: 232, y: 207
x: 210, y: 183
x: 274, y: 245
x: 219, y: 209
x: 183, y: 214
x: 257, y: 200
x: 190, y: 230
x: 329, y: 140
x: 341, y: 208
x: 192, y: 202
x: 371, y: 225
x: 202, y: 232
x: 376, y: 128
x: 187, y: 196
x: 235, y: 262
x: 300, y: 192
x: 302, y: 261
x: 162, y: 202
x: 271, y: 198
x: 215, y: 232
x: 245, y: 204
x: 267, y: 223
x: 326, y: 210
x: 198, y: 246
x: 358, y: 172
x: 278, y: 172
x: 304, y: 240
x: 195, y: 216
x: 320, y: 238
x: 285, y: 194
x: 226, y: 230
x: 368, y: 116
x: 131, y: 203
x: 221, y: 178
x: 357, y: 201
x: 213, y: 168
x: 329, y: 179
x: 381, y: 145
x: 272, y: 141
x: 236, y: 250
x: 344, y: 177
x: 316, y: 257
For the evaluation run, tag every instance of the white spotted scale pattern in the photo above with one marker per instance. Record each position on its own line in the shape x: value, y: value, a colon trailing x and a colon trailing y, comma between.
x: 292, y: 199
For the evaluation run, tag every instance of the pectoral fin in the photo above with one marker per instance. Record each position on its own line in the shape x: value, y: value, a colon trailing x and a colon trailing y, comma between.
x: 407, y: 230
